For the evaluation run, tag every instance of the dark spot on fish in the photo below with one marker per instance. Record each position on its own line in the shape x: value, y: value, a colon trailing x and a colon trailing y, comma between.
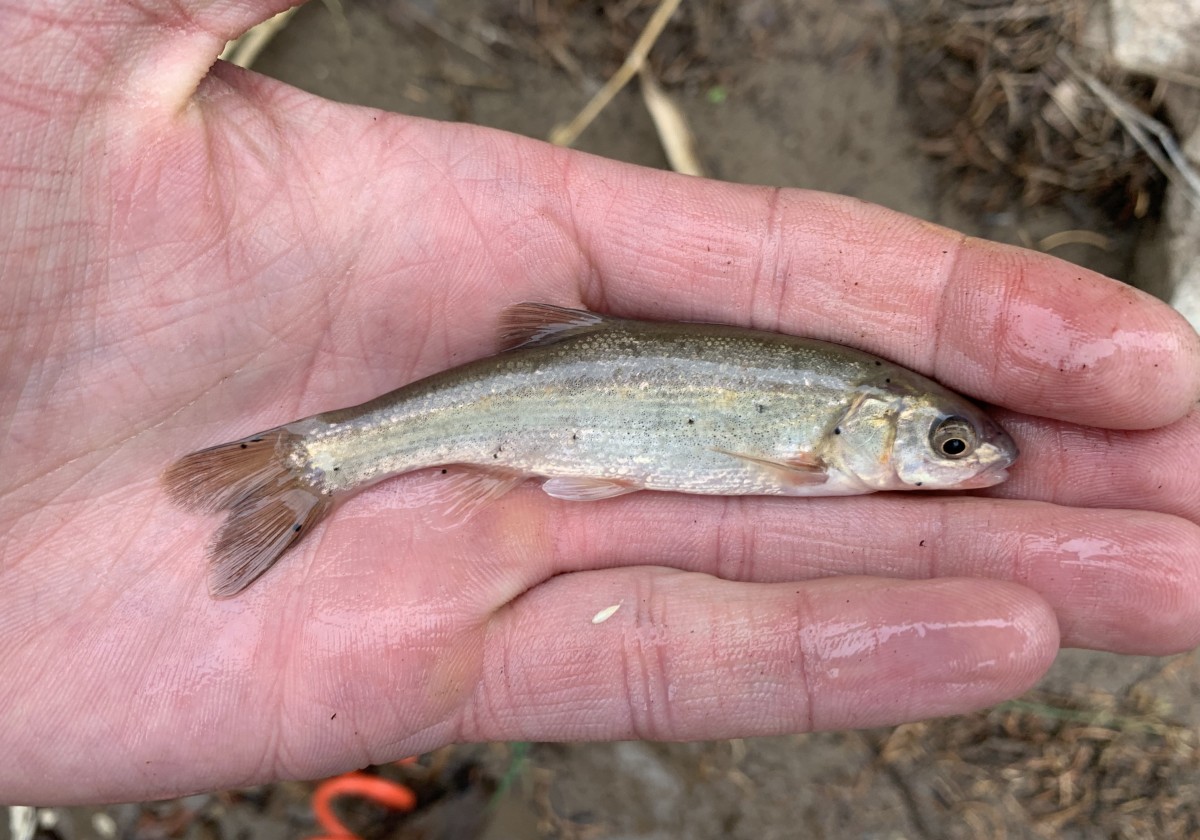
x: 761, y: 408
x: 332, y: 716
x: 296, y: 528
x: 878, y: 363
x: 335, y: 469
x: 244, y: 445
x: 918, y: 484
x: 691, y: 422
x: 888, y: 381
x: 922, y: 543
x: 256, y: 440
x: 443, y: 472
x: 837, y: 430
x: 495, y: 454
x: 574, y: 437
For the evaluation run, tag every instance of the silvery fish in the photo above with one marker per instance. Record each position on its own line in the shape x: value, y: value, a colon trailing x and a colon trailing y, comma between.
x: 599, y: 407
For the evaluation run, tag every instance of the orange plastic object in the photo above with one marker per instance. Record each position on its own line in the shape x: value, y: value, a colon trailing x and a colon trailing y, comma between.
x: 387, y: 793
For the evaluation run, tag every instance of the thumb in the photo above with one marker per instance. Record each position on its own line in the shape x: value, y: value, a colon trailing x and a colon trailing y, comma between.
x: 146, y: 55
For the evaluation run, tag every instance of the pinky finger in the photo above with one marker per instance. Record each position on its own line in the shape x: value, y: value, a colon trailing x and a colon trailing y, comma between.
x: 687, y: 656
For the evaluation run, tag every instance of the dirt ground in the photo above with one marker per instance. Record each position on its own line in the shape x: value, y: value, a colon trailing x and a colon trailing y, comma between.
x: 782, y: 92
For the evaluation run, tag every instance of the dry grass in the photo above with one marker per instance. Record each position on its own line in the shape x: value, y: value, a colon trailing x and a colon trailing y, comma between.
x: 993, y: 99
x: 1059, y: 767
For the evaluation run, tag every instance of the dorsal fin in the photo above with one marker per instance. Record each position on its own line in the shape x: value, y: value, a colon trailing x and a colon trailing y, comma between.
x: 539, y: 324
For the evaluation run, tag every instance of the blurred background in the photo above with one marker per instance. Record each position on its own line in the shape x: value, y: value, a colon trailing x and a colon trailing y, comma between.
x: 1060, y: 125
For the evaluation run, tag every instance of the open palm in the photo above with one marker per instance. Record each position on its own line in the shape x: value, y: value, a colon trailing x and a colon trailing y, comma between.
x: 189, y: 256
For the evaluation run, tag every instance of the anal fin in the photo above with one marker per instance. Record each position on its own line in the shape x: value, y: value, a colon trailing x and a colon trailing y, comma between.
x: 466, y: 490
x: 583, y: 489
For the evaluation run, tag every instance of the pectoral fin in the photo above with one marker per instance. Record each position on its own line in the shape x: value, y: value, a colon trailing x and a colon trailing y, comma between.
x: 538, y: 324
x: 587, y: 489
x: 803, y: 468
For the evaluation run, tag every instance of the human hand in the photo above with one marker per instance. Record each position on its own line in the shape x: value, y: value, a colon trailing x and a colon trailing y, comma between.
x: 191, y: 257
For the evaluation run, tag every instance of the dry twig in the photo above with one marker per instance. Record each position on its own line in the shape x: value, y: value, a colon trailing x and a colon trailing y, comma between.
x: 244, y: 50
x: 677, y: 139
x: 565, y: 135
x: 1145, y: 130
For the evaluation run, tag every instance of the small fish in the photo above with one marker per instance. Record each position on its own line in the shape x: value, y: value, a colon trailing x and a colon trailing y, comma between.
x: 600, y: 407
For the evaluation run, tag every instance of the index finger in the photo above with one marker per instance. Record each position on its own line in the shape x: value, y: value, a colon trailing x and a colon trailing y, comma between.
x: 1003, y: 324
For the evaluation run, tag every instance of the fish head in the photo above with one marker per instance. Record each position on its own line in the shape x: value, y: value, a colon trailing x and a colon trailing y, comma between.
x: 907, y: 438
x: 944, y: 442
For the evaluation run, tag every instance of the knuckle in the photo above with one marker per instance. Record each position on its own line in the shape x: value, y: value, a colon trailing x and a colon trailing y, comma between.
x: 646, y: 664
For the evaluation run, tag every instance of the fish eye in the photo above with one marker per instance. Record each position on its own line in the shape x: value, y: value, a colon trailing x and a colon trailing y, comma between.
x: 953, y: 438
x: 954, y: 446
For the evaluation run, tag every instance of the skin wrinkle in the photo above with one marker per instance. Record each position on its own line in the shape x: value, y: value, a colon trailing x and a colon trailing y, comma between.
x: 664, y: 722
x: 463, y: 721
x: 999, y: 345
x: 467, y: 720
x: 286, y: 658
x: 1021, y: 557
x: 748, y: 544
x: 1062, y: 463
x: 637, y: 641
x: 934, y: 363
x: 689, y: 210
x: 766, y: 281
x: 353, y: 728
x: 805, y: 663
x: 562, y: 538
x: 729, y: 561
x: 507, y: 677
x: 1002, y: 334
x: 931, y: 548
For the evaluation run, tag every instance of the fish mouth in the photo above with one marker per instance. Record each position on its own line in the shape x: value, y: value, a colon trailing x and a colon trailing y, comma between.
x: 1001, y: 451
x: 987, y: 477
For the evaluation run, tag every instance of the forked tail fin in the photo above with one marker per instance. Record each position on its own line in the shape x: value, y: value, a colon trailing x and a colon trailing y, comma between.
x: 270, y: 504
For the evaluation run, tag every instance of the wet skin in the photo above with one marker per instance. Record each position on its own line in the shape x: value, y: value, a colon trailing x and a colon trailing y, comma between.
x: 181, y: 249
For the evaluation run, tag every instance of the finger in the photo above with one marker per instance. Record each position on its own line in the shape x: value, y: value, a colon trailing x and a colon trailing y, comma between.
x: 1124, y: 581
x: 508, y: 219
x: 1010, y: 326
x: 515, y: 217
x: 1157, y: 469
x: 686, y: 656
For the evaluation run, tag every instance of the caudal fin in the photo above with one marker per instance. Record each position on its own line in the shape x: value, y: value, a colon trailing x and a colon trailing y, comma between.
x: 270, y: 504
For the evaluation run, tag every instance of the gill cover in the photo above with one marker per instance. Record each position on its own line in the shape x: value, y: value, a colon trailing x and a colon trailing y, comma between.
x: 865, y: 438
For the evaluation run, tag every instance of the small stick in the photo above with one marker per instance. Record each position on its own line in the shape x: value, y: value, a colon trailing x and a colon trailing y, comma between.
x: 568, y: 134
x: 677, y: 139
x: 1174, y: 164
x: 465, y: 42
x: 1075, y: 237
x: 22, y: 822
x: 244, y: 50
